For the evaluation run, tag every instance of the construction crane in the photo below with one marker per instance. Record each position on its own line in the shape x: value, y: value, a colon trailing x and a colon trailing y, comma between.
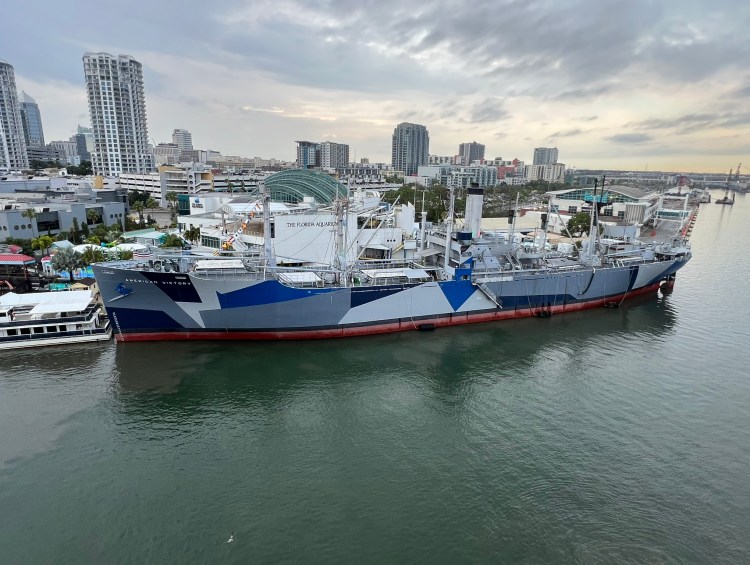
x: 737, y: 174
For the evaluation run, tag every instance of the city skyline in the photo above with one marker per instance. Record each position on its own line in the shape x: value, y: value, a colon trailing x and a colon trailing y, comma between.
x: 623, y: 86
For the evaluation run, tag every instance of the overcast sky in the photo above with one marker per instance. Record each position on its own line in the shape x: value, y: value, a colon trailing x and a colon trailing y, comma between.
x: 630, y: 84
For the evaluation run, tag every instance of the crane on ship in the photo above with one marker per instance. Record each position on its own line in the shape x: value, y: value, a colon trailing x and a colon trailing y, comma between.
x: 726, y: 199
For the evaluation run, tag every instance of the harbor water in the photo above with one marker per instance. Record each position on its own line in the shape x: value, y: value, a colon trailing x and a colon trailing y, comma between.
x: 606, y: 436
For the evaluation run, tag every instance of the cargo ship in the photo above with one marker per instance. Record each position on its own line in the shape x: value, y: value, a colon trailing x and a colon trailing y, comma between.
x: 456, y: 277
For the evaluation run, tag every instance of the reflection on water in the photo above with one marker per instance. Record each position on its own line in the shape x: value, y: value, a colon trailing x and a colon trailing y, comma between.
x: 41, y: 389
x: 262, y: 369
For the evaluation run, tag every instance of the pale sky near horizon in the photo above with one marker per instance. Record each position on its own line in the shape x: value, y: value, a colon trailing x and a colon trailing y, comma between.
x: 656, y: 84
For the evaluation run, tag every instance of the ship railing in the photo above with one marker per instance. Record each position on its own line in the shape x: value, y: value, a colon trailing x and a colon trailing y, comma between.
x: 25, y: 320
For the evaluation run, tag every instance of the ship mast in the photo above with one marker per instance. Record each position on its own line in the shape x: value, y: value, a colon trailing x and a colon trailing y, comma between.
x: 592, y: 223
x: 449, y: 229
x: 268, y: 255
x: 341, y: 251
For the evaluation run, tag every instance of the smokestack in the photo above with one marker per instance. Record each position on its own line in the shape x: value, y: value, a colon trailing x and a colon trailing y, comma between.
x: 474, y: 204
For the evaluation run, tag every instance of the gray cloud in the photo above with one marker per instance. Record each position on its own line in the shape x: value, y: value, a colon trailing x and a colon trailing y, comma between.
x: 443, y: 63
x: 567, y: 133
x: 627, y: 138
x: 490, y: 110
x: 690, y: 123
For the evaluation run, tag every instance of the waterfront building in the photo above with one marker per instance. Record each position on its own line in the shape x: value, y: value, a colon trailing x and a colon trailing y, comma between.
x: 31, y: 120
x: 183, y: 139
x: 410, y: 147
x: 117, y: 106
x: 56, y: 202
x: 13, y: 154
x: 470, y: 152
x: 633, y: 205
x: 545, y: 155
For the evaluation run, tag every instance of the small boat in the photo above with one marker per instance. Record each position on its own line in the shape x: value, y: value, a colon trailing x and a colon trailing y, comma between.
x: 51, y: 318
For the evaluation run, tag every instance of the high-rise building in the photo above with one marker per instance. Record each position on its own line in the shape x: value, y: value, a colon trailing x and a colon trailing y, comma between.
x: 183, y: 139
x: 31, y: 119
x: 470, y: 152
x: 308, y: 154
x: 117, y: 105
x: 66, y: 151
x: 545, y: 155
x: 84, y: 139
x: 334, y: 155
x: 410, y: 147
x: 166, y: 154
x: 12, y: 143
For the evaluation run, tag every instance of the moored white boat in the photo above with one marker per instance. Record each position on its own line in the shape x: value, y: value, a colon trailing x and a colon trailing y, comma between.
x: 51, y: 318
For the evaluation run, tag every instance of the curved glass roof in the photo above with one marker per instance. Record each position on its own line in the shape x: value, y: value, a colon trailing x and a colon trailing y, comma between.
x: 293, y: 185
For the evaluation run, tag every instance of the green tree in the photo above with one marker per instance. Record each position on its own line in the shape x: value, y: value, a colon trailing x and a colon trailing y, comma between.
x: 92, y: 255
x: 579, y: 224
x: 24, y: 244
x: 435, y: 200
x: 193, y: 234
x: 30, y: 214
x: 138, y: 207
x: 66, y: 260
x: 173, y: 240
x: 172, y: 199
x: 93, y: 217
x: 94, y: 240
x: 75, y: 232
x: 83, y: 169
x: 42, y: 243
x: 151, y: 202
x: 84, y: 230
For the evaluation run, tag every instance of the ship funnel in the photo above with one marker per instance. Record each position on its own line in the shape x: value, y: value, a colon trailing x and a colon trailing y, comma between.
x: 474, y: 203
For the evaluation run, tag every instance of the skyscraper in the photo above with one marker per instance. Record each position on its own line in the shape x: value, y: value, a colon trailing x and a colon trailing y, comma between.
x: 410, y: 147
x: 470, y: 152
x: 31, y: 120
x: 84, y: 140
x: 334, y: 155
x: 183, y: 139
x: 12, y: 142
x: 308, y: 154
x: 545, y: 155
x: 117, y: 105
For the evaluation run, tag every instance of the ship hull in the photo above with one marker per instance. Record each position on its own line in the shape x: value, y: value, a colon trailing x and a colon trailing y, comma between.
x: 151, y: 306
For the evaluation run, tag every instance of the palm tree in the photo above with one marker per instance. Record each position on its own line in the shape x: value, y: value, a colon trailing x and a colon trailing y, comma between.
x: 92, y: 216
x: 172, y: 200
x: 138, y: 207
x: 151, y: 202
x: 66, y: 260
x: 42, y: 243
x: 30, y: 214
x: 193, y: 234
x: 92, y: 255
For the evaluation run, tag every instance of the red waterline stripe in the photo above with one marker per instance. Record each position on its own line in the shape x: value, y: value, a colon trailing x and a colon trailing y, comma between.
x: 456, y: 319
